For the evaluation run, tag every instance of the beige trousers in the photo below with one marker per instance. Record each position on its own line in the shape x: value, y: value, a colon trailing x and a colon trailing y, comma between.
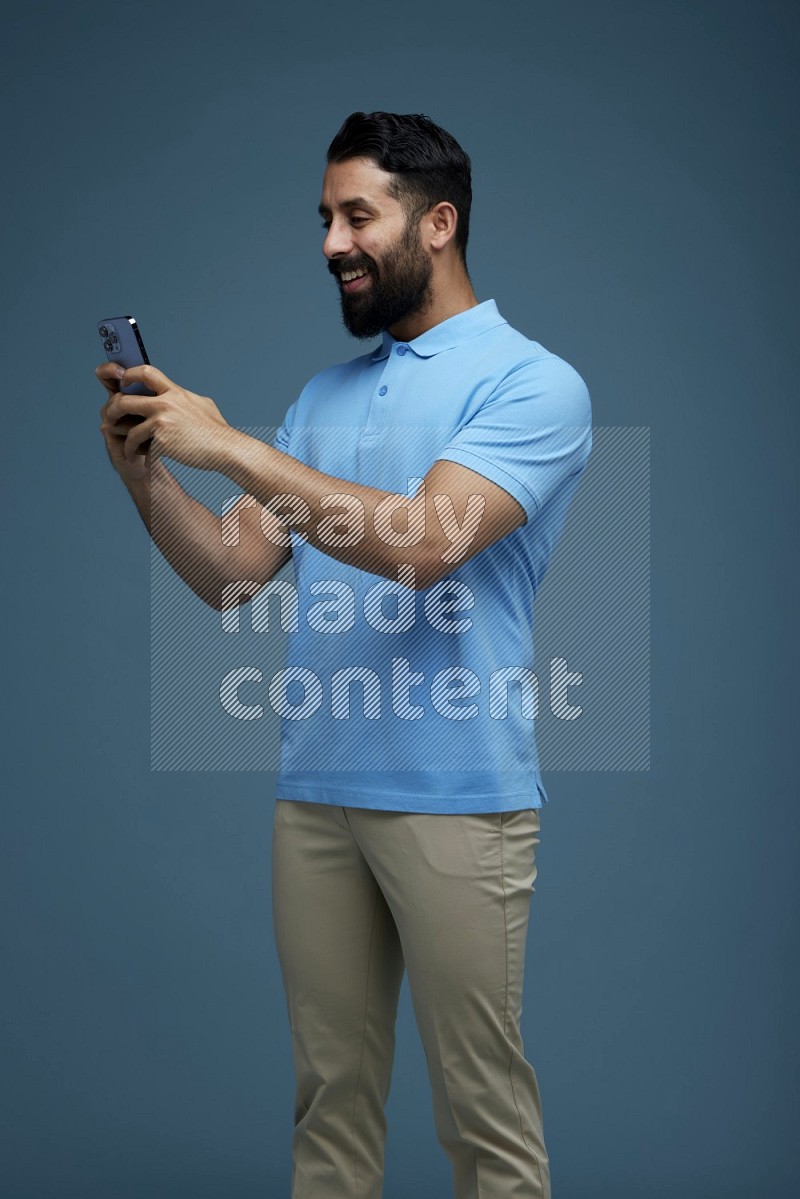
x: 359, y: 896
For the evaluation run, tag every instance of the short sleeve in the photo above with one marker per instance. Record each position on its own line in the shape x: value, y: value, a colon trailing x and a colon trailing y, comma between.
x: 533, y: 432
x: 283, y: 436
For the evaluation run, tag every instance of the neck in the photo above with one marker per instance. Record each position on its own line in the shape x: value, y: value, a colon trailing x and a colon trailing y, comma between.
x: 446, y: 302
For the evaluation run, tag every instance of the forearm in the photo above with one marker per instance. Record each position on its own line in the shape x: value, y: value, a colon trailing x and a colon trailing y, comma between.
x: 186, y: 532
x: 353, y: 523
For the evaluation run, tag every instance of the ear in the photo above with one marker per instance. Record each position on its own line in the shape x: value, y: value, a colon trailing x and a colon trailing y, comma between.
x: 441, y: 221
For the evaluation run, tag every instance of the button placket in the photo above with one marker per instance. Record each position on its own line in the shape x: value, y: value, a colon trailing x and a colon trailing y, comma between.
x: 376, y: 417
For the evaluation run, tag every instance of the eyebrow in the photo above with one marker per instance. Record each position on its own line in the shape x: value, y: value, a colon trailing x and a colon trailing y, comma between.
x: 357, y: 202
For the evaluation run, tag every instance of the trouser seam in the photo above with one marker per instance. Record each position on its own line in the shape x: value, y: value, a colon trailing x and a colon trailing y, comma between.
x: 363, y: 1041
x: 505, y: 1008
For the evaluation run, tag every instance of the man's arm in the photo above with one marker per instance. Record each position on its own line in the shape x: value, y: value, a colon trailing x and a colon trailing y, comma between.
x: 455, y: 513
x: 193, y: 539
x: 247, y: 545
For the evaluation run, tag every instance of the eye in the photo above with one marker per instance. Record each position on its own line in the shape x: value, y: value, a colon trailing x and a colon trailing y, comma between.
x: 354, y: 220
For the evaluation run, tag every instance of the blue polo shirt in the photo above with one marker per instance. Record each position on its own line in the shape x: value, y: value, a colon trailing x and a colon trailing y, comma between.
x: 425, y: 701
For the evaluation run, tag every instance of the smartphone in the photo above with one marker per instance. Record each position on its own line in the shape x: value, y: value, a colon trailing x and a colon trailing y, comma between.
x: 123, y: 343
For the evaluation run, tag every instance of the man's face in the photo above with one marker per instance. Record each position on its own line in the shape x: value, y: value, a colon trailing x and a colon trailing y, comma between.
x: 368, y: 232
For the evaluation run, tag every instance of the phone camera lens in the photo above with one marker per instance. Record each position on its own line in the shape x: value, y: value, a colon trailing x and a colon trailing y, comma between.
x: 103, y: 331
x: 108, y: 344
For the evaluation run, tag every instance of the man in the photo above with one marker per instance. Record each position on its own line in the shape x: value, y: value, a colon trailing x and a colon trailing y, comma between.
x: 433, y: 472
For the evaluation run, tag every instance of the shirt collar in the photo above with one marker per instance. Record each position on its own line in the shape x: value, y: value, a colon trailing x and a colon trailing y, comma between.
x: 447, y: 334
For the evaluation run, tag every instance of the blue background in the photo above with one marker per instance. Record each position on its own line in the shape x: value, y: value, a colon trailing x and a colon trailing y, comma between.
x: 635, y: 211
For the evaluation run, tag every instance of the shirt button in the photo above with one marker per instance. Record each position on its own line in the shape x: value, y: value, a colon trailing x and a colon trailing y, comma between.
x: 382, y: 391
x: 402, y: 349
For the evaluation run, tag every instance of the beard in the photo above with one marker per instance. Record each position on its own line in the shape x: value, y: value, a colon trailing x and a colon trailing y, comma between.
x: 399, y: 284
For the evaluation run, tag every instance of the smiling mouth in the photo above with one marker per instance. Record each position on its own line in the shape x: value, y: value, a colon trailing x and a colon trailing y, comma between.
x: 352, y: 281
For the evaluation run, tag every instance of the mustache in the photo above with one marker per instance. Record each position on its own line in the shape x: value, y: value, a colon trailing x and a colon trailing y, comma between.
x: 360, y: 264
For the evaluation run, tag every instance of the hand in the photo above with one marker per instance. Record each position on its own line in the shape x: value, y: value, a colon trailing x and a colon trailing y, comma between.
x: 181, y: 424
x: 115, y: 440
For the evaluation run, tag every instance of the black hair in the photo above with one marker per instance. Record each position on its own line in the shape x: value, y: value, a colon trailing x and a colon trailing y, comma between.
x: 426, y: 161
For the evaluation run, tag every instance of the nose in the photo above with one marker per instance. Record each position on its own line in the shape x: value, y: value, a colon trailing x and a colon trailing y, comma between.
x: 339, y: 241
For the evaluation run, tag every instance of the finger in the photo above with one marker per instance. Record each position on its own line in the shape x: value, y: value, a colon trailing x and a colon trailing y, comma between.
x: 120, y: 404
x: 123, y: 426
x: 114, y: 433
x: 104, y: 407
x: 151, y: 376
x: 108, y: 376
x: 135, y: 440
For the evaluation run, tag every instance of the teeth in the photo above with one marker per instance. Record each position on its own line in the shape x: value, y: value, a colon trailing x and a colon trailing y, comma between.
x: 346, y: 276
